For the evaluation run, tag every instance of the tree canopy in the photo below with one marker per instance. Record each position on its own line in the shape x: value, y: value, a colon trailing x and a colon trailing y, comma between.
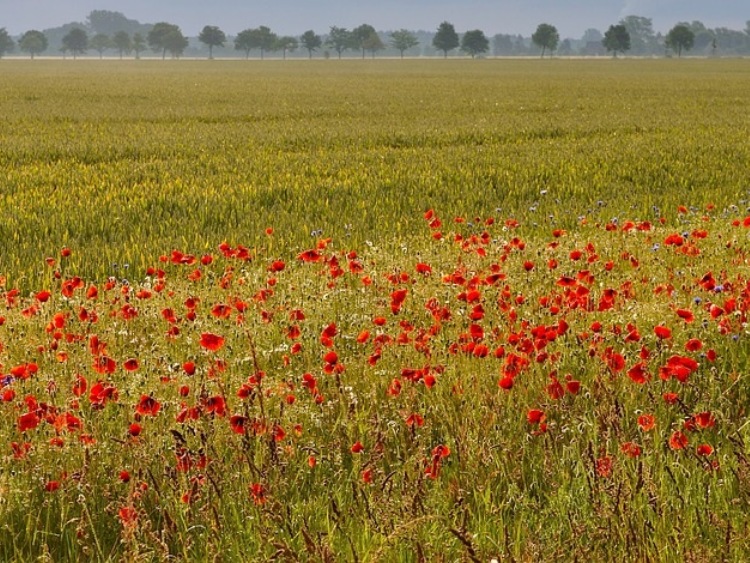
x: 403, y: 40
x: 360, y: 34
x: 76, y: 41
x: 6, y: 42
x: 285, y: 44
x: 255, y: 38
x: 339, y: 39
x: 33, y: 42
x: 616, y: 38
x: 213, y: 37
x: 167, y: 37
x: 546, y: 37
x: 446, y: 38
x: 680, y: 38
x: 475, y: 42
x: 311, y: 41
x: 121, y: 41
x: 100, y: 43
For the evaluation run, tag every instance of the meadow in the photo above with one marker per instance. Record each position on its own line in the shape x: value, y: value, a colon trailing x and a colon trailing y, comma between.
x: 374, y: 310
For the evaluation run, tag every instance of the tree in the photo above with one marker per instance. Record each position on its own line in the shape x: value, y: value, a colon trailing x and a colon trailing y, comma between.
x: 100, y: 43
x: 244, y: 42
x: 257, y: 38
x: 502, y: 44
x: 159, y: 37
x: 546, y: 37
x: 138, y: 45
x: 121, y: 42
x: 616, y: 38
x: 475, y: 42
x: 339, y: 39
x: 446, y: 38
x: 680, y: 37
x: 6, y: 42
x: 360, y: 35
x: 591, y: 35
x: 213, y: 37
x: 286, y: 43
x: 76, y: 41
x: 373, y: 44
x: 642, y: 36
x: 403, y: 40
x: 311, y: 41
x: 109, y: 23
x: 175, y: 42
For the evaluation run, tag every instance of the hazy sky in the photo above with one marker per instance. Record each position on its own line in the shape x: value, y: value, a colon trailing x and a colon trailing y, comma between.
x: 571, y: 17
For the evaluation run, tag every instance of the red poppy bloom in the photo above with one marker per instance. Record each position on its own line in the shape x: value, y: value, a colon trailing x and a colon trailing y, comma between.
x: 678, y: 440
x: 148, y: 406
x: 212, y: 342
x: 646, y: 422
x: 130, y: 365
x: 216, y: 405
x: 631, y: 449
x: 535, y: 416
x: 357, y: 447
x: 52, y: 486
x: 28, y: 421
x: 237, y: 423
x: 704, y: 450
x: 662, y: 332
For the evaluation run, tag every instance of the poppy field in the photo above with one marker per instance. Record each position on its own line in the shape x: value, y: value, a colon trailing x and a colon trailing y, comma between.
x: 375, y: 311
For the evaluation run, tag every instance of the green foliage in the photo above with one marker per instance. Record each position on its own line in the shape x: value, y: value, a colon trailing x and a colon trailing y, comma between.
x: 33, y: 42
x: 286, y: 43
x: 403, y: 40
x: 6, y: 42
x: 616, y: 38
x: 213, y: 37
x: 76, y: 41
x: 339, y: 39
x: 361, y: 35
x: 680, y: 38
x: 446, y: 38
x: 100, y: 43
x: 167, y: 37
x: 642, y: 35
x: 475, y: 42
x: 261, y: 38
x: 122, y: 42
x: 139, y: 44
x: 311, y: 41
x: 546, y: 37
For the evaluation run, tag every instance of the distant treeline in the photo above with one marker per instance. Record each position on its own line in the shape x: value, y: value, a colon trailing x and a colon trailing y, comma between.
x: 107, y: 33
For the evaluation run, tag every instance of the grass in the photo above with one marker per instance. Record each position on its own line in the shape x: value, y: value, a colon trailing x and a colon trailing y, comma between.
x: 495, y: 357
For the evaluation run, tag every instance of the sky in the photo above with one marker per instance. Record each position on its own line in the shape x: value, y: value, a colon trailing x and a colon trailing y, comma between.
x: 292, y: 17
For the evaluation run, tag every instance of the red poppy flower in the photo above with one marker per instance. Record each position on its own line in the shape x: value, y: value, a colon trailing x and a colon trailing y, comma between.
x: 678, y: 440
x: 646, y: 422
x: 130, y: 365
x: 216, y: 405
x: 28, y: 421
x: 662, y: 332
x: 357, y: 447
x: 704, y: 450
x: 148, y: 406
x: 631, y: 449
x: 212, y: 342
x: 237, y: 423
x: 535, y: 416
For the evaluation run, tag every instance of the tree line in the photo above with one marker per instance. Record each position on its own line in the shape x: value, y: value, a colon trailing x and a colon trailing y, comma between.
x: 632, y: 34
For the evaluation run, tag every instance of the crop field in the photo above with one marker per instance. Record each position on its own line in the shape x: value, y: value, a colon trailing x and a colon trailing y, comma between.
x: 375, y: 310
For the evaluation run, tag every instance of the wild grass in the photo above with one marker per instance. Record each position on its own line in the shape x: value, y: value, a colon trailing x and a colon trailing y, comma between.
x: 374, y: 311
